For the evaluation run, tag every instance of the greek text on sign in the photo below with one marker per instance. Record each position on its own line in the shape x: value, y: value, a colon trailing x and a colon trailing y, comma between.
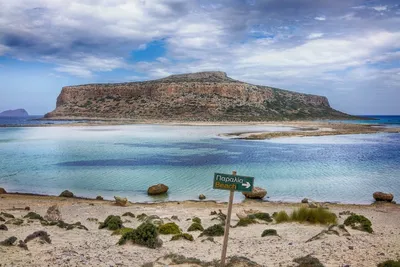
x: 233, y: 182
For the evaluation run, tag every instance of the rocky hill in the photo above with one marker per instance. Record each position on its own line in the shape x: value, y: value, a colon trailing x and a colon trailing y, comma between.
x: 203, y: 96
x: 14, y: 113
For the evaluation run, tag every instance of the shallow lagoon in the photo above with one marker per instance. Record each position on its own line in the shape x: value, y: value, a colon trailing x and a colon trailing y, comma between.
x: 125, y: 160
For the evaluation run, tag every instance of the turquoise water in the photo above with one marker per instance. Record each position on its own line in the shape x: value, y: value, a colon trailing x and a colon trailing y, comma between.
x: 125, y: 160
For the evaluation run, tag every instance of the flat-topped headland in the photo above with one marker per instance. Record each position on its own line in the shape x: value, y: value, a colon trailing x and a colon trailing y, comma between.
x: 203, y: 96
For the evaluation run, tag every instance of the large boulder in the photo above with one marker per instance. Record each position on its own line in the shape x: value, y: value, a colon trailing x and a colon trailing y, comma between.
x: 121, y: 201
x: 157, y: 189
x: 380, y: 196
x: 2, y: 191
x: 67, y: 193
x: 257, y: 193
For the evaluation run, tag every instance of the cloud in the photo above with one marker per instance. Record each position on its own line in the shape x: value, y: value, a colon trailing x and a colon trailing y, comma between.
x: 380, y: 8
x: 315, y: 35
x: 322, y: 18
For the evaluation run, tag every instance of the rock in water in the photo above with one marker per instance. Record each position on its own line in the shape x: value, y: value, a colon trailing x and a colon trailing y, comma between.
x: 66, y: 193
x: 157, y: 189
x: 257, y: 193
x: 380, y: 196
x: 53, y: 214
x: 201, y: 197
x: 2, y: 191
x: 14, y: 113
x: 121, y: 201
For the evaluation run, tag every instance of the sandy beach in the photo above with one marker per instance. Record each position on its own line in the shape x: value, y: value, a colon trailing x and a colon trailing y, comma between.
x: 96, y: 247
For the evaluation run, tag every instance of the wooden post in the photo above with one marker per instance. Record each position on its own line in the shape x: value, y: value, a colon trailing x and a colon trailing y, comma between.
x: 227, y: 225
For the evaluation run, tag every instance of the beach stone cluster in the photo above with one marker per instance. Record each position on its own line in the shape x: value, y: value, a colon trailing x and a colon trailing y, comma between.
x: 157, y: 189
x: 257, y: 193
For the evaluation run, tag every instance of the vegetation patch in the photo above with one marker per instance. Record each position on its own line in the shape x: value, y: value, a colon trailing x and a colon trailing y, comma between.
x: 130, y: 214
x: 15, y: 221
x: 196, y: 220
x: 359, y: 222
x: 111, y: 223
x: 145, y: 235
x: 269, y: 232
x: 261, y: 216
x: 33, y: 216
x: 389, y: 263
x: 9, y: 241
x: 318, y: 215
x: 122, y: 231
x: 308, y: 261
x: 182, y: 236
x: 245, y: 222
x: 215, y: 230
x: 43, y: 235
x: 281, y: 217
x: 142, y: 217
x: 195, y: 227
x: 7, y: 215
x: 169, y: 229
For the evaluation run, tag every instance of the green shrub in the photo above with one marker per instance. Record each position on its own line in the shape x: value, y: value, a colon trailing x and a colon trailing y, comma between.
x: 33, y: 216
x: 145, y: 235
x: 245, y: 222
x: 196, y: 220
x: 169, y: 229
x: 269, y: 232
x: 130, y: 214
x: 182, y: 236
x: 318, y: 215
x: 281, y: 216
x: 389, y: 263
x: 142, y: 217
x: 195, y: 227
x: 215, y: 230
x: 111, y: 223
x: 261, y: 216
x: 122, y: 231
x: 359, y: 222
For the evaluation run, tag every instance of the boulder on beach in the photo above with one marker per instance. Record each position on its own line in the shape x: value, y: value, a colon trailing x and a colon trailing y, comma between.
x: 67, y: 193
x: 2, y: 191
x: 53, y: 214
x: 157, y: 189
x: 99, y: 198
x: 257, y: 193
x: 380, y: 196
x: 201, y: 197
x: 121, y: 201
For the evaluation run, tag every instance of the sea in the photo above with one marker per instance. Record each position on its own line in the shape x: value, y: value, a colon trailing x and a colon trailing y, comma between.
x: 125, y: 160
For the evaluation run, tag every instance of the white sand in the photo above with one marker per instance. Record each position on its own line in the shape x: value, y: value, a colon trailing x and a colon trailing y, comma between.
x: 98, y: 248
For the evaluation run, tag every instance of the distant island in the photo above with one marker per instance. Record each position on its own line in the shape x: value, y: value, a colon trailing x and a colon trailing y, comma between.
x: 14, y: 113
x: 202, y: 96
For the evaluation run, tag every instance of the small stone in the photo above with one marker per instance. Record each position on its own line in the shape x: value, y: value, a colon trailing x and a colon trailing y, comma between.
x: 351, y: 247
x: 380, y: 196
x: 202, y: 197
x: 121, y: 201
x: 66, y: 193
x: 23, y: 245
x: 157, y: 189
x: 304, y: 200
x: 290, y: 243
x: 27, y: 208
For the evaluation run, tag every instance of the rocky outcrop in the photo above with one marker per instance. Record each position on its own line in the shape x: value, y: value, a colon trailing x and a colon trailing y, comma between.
x: 14, y: 113
x: 257, y: 193
x: 380, y: 196
x: 66, y: 193
x: 2, y: 191
x: 157, y: 189
x: 204, y: 96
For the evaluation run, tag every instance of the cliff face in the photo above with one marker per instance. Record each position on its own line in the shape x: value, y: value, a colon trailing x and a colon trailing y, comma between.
x: 14, y: 113
x: 204, y: 96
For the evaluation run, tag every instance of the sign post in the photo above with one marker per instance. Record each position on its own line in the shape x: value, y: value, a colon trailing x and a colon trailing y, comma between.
x: 232, y: 183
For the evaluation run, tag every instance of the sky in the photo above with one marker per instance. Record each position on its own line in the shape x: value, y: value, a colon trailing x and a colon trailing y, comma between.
x: 347, y: 50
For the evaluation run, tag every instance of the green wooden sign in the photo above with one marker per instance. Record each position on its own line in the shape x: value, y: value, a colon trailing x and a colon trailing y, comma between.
x: 233, y: 182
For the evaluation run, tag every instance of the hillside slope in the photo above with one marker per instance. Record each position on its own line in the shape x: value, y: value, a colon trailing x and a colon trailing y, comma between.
x: 203, y: 96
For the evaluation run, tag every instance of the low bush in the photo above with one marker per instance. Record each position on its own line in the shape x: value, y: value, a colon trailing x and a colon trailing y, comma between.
x: 245, y: 221
x: 318, y: 215
x: 111, y: 223
x: 261, y: 216
x: 359, y: 222
x: 389, y: 263
x: 215, y: 230
x: 182, y: 236
x: 33, y: 216
x: 196, y: 220
x: 142, y: 217
x: 7, y: 215
x: 130, y: 214
x: 122, y: 231
x: 145, y: 235
x: 169, y: 229
x: 195, y: 227
x: 269, y: 232
x: 281, y: 216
